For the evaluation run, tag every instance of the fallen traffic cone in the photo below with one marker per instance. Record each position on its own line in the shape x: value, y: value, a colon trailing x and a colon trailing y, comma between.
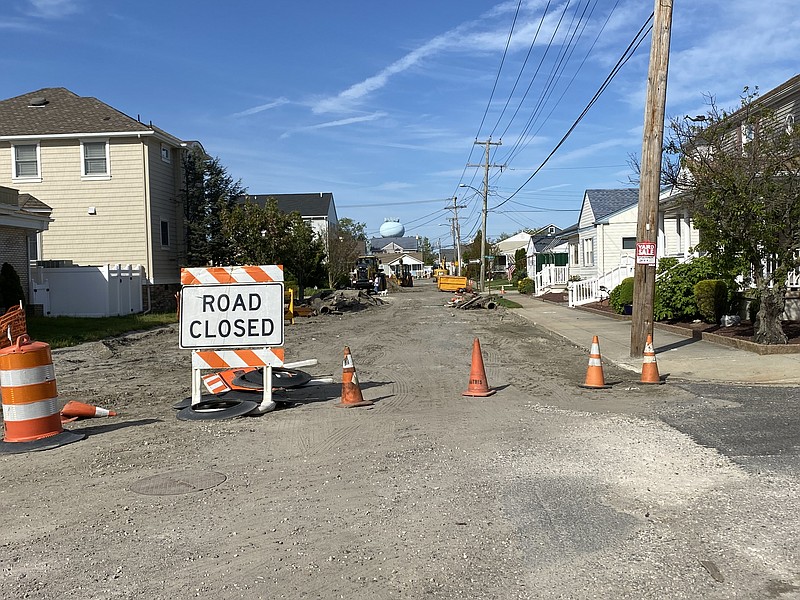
x: 594, y: 374
x: 351, y: 391
x: 85, y: 411
x: 477, y: 374
x: 649, y: 366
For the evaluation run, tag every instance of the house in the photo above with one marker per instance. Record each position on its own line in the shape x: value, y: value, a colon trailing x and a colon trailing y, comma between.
x: 22, y: 219
x: 113, y: 183
x: 413, y: 260
x: 394, y: 245
x: 547, y: 247
x: 505, y: 250
x: 318, y: 209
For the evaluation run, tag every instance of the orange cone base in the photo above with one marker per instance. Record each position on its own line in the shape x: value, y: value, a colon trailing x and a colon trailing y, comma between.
x: 479, y: 393
x: 354, y: 404
x: 649, y: 382
x: 595, y: 387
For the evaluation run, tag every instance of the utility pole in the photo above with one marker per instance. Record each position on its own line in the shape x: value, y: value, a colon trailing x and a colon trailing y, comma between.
x: 486, y: 166
x: 455, y: 229
x: 644, y: 282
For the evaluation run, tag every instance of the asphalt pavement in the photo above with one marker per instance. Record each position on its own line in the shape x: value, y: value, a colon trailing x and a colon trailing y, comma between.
x: 677, y: 357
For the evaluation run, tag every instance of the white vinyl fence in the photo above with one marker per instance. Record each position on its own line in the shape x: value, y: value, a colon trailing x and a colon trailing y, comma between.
x: 103, y: 291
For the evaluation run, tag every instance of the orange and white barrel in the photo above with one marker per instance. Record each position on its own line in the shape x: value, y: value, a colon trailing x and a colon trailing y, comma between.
x: 28, y: 392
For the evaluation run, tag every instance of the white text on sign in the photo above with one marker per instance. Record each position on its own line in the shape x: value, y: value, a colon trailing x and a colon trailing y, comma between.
x: 248, y: 315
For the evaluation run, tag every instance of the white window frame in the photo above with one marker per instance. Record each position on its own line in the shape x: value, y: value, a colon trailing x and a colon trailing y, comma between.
x: 166, y: 153
x: 588, y: 252
x: 789, y: 124
x: 95, y: 176
x: 161, y: 224
x: 29, y: 178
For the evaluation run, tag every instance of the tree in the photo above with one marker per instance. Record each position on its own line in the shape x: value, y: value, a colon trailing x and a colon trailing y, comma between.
x: 303, y: 253
x: 428, y: 257
x: 263, y: 235
x: 208, y: 192
x: 345, y: 241
x: 739, y: 175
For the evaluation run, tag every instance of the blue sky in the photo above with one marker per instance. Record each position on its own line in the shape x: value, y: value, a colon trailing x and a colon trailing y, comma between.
x: 381, y: 103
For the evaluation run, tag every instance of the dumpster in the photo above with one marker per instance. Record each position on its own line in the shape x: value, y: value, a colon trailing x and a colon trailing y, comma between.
x: 451, y: 283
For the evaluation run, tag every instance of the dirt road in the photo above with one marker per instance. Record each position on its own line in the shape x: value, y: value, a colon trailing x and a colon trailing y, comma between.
x: 544, y: 490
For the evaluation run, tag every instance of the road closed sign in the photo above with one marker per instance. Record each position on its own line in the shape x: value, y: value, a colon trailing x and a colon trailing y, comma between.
x: 243, y: 315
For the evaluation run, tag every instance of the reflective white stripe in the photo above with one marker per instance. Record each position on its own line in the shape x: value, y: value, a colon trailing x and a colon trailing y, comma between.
x: 595, y: 362
x: 648, y: 359
x: 347, y: 363
x: 34, y: 410
x: 215, y: 384
x: 17, y: 377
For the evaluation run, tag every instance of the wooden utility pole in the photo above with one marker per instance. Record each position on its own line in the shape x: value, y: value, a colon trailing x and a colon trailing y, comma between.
x: 650, y: 178
x: 456, y: 231
x: 488, y: 143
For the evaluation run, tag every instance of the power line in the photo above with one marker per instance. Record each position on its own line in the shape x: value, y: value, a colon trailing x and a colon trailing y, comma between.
x: 626, y: 56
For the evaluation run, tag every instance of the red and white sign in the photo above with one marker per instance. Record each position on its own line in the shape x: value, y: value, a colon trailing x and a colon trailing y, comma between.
x: 645, y: 253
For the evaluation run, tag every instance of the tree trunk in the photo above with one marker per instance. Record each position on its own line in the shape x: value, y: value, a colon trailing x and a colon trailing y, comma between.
x: 767, y: 327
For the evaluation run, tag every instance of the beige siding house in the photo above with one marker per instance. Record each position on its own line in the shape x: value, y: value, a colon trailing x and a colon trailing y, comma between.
x: 112, y: 181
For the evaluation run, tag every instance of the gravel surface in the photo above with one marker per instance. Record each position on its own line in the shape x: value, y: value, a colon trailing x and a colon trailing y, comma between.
x: 543, y: 490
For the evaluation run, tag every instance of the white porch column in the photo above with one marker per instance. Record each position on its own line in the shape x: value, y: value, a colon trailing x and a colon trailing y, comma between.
x: 686, y: 233
x: 661, y: 239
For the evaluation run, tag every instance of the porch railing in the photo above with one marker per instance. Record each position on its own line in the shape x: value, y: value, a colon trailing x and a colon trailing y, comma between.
x: 550, y: 276
x: 589, y: 290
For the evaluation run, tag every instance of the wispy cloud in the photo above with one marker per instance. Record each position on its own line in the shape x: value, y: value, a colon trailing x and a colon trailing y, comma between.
x: 261, y: 108
x: 54, y: 9
x: 337, y: 123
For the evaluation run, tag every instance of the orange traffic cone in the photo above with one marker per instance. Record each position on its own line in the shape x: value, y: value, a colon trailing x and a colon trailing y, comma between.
x: 649, y: 366
x: 85, y: 411
x: 594, y: 374
x: 351, y: 391
x: 477, y: 374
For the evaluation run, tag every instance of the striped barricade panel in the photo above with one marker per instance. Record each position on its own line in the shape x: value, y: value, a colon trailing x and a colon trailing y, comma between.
x: 223, y: 275
x: 229, y: 359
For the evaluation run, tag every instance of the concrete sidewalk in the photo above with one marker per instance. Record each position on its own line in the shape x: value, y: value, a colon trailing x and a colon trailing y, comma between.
x: 678, y: 357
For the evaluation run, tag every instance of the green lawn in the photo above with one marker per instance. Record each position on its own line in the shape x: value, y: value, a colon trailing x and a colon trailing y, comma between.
x: 61, y: 332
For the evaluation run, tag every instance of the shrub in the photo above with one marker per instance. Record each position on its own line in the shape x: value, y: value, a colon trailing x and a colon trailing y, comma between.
x: 711, y: 296
x: 621, y: 295
x: 525, y: 285
x: 10, y: 287
x: 674, y: 294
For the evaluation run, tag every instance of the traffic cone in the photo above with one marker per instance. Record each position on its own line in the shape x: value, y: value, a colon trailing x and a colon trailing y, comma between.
x: 649, y: 366
x: 594, y: 374
x: 85, y: 411
x: 477, y: 374
x: 351, y: 391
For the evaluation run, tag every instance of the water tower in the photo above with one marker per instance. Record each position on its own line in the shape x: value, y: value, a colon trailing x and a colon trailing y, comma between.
x: 392, y: 228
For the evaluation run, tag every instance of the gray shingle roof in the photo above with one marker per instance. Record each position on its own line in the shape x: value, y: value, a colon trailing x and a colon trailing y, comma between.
x: 607, y: 202
x: 60, y: 111
x: 308, y: 205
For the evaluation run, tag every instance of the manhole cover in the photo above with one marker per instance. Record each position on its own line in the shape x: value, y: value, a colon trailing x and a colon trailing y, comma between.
x: 178, y: 482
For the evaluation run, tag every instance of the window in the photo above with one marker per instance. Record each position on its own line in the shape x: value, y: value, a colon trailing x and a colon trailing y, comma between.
x: 629, y: 243
x: 164, y: 233
x: 748, y: 133
x: 165, y: 153
x: 588, y: 253
x: 789, y: 124
x: 95, y: 159
x: 26, y: 162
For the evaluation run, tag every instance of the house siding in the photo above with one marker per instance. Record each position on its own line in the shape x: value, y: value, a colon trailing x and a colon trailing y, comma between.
x: 165, y: 184
x: 115, y: 233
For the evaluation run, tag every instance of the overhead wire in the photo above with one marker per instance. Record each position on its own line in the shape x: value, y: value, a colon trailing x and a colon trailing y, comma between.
x: 626, y: 56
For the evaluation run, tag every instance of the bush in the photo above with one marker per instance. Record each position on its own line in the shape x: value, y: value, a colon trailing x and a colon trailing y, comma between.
x: 525, y: 285
x: 11, y: 292
x: 674, y: 294
x: 621, y: 295
x: 711, y: 296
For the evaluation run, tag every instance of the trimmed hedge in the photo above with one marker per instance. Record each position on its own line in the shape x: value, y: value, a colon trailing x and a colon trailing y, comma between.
x: 621, y: 295
x: 711, y: 296
x: 525, y: 285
